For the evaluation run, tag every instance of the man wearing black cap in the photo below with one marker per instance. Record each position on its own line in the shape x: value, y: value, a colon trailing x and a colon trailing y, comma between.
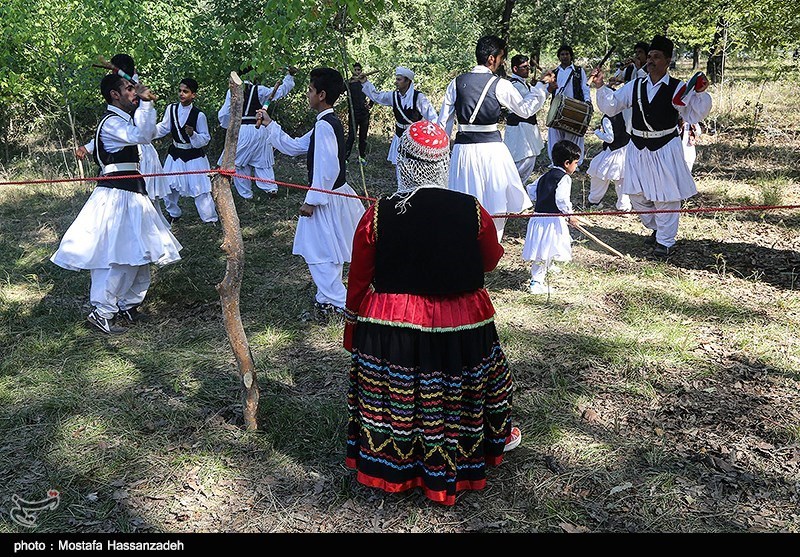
x: 656, y: 175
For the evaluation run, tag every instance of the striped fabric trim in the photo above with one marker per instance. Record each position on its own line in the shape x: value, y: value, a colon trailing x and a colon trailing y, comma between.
x: 427, y: 329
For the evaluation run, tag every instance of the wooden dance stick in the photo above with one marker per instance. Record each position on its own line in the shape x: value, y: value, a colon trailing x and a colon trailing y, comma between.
x: 260, y: 119
x: 597, y: 240
x: 105, y: 64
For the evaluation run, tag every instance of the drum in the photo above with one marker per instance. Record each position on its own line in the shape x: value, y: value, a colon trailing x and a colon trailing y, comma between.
x: 569, y: 115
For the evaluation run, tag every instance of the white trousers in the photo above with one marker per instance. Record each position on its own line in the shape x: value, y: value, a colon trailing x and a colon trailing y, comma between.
x: 598, y: 189
x: 204, y: 203
x: 328, y: 280
x: 664, y: 224
x: 244, y: 185
x: 525, y: 168
x: 554, y: 136
x: 118, y: 288
x: 500, y: 225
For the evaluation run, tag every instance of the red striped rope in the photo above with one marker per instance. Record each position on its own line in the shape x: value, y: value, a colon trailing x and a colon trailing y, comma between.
x: 233, y: 174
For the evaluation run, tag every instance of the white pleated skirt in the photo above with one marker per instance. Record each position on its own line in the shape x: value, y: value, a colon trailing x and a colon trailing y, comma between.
x: 523, y: 141
x: 188, y: 185
x: 327, y: 235
x: 253, y: 149
x: 608, y: 165
x: 117, y: 227
x: 149, y: 163
x: 487, y: 171
x: 660, y: 175
x: 547, y: 239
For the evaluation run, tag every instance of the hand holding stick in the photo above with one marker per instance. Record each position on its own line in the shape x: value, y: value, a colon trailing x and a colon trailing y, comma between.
x: 146, y: 94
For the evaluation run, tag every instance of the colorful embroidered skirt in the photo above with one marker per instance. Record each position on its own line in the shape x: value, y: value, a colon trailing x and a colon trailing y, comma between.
x: 430, y: 394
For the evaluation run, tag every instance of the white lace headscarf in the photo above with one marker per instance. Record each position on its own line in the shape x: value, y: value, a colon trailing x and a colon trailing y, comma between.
x: 423, y: 160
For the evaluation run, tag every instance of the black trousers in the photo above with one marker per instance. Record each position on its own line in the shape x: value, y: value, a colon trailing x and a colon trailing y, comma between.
x: 362, y: 125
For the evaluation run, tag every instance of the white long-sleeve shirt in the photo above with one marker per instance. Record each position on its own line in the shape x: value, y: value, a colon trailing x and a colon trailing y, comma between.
x: 610, y: 102
x: 326, y: 159
x: 564, y: 82
x: 118, y: 133
x: 224, y: 114
x: 507, y: 95
x: 385, y: 98
x: 148, y: 114
x: 200, y: 137
x: 606, y: 131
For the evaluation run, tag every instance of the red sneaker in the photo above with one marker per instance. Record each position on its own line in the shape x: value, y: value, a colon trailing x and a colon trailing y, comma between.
x: 513, y: 440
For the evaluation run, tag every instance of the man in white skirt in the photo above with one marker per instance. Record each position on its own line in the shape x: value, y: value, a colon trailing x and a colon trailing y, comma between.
x: 254, y: 153
x: 522, y: 135
x: 570, y: 80
x: 656, y: 175
x: 119, y: 232
x: 327, y: 224
x: 481, y: 164
x: 149, y: 161
x: 188, y: 128
x: 408, y: 104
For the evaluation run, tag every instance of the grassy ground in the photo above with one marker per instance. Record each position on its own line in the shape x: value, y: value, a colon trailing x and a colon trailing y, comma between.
x: 653, y: 396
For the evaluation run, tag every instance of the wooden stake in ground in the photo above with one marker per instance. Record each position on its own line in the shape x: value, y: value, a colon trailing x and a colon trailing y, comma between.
x: 233, y: 246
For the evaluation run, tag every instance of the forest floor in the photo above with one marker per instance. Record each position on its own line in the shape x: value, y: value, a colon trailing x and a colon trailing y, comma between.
x: 653, y: 396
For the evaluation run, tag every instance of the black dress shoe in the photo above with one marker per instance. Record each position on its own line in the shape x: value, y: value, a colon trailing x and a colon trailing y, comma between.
x: 662, y: 251
x: 173, y: 220
x: 651, y: 239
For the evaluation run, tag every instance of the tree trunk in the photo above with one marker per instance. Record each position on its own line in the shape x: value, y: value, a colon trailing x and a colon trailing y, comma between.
x: 233, y: 246
x: 505, y: 21
x: 714, y: 64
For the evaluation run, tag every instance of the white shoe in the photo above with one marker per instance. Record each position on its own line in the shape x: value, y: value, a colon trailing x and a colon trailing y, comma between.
x: 553, y: 268
x: 539, y: 288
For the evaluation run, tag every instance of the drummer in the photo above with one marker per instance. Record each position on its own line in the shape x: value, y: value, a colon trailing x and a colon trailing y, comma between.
x: 571, y: 82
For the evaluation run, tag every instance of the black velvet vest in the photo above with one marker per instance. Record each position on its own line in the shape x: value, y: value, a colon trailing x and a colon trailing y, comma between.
x: 577, y: 83
x: 546, y: 191
x: 402, y: 115
x: 514, y: 120
x: 430, y: 249
x: 660, y: 114
x: 338, y: 129
x: 179, y: 136
x: 251, y: 104
x: 128, y: 154
x: 621, y: 137
x: 469, y: 87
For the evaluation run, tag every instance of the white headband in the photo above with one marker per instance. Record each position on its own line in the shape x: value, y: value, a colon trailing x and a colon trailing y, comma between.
x: 405, y: 72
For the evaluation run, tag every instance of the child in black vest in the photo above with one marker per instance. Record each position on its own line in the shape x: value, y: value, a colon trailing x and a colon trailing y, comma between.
x: 548, y: 238
x: 188, y: 127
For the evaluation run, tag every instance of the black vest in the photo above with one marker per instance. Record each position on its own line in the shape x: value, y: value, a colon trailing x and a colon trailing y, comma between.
x: 577, y: 83
x: 469, y: 87
x: 660, y: 114
x: 546, y: 191
x: 179, y: 136
x: 128, y: 154
x: 251, y: 104
x: 628, y: 75
x: 621, y: 137
x: 338, y: 130
x: 430, y: 249
x: 403, y: 115
x: 514, y: 120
